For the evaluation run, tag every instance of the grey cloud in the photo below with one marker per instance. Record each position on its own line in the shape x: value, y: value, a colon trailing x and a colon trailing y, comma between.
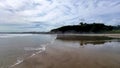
x: 54, y: 13
x: 51, y: 1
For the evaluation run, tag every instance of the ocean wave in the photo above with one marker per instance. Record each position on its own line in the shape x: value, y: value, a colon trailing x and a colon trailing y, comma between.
x: 42, y: 47
x: 13, y: 35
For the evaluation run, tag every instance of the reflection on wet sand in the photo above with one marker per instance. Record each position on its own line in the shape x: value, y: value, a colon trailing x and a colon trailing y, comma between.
x: 61, y: 55
x: 84, y: 40
x: 82, y: 37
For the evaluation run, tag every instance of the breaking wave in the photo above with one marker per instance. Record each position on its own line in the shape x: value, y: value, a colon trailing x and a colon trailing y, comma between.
x: 13, y: 35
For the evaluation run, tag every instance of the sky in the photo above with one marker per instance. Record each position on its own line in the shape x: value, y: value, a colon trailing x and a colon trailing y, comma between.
x: 44, y: 15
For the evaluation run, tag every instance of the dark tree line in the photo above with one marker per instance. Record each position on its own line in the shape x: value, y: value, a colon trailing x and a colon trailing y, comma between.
x: 84, y: 28
x: 117, y: 27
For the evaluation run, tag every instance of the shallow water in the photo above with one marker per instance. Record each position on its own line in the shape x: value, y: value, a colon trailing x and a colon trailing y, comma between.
x: 14, y: 48
x: 25, y: 51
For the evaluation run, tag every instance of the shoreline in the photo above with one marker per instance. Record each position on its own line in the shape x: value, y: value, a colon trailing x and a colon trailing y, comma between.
x: 112, y: 35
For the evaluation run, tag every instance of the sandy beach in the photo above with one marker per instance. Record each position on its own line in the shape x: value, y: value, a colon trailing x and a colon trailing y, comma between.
x: 63, y: 51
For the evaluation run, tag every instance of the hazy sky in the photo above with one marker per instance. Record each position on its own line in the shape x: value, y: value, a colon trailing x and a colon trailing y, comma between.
x: 43, y: 15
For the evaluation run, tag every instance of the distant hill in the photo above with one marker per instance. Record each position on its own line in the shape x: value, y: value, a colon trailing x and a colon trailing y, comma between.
x: 85, y: 28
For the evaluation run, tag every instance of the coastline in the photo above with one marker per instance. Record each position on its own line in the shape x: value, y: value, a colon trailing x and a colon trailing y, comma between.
x: 112, y: 35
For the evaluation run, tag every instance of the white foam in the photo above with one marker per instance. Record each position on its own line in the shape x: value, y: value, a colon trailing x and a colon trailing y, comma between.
x: 19, y: 60
x: 33, y: 55
x: 13, y: 35
x: 41, y: 48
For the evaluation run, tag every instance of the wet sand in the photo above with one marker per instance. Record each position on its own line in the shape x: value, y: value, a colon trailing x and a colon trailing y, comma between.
x: 71, y: 54
x: 58, y: 55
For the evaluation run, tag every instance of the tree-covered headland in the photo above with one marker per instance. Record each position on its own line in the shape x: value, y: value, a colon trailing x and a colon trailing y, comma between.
x: 87, y: 28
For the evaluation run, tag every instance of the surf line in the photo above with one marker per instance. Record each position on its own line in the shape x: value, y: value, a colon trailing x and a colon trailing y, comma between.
x: 20, y: 60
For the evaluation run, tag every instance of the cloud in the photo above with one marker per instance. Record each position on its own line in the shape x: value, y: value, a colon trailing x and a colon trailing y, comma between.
x: 54, y: 13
